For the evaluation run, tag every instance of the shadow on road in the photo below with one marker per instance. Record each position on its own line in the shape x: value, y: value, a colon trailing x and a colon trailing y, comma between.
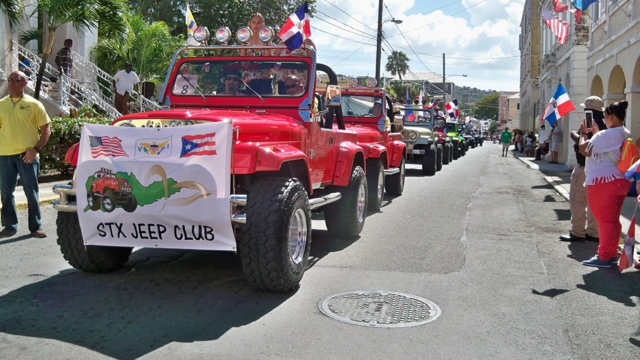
x: 16, y: 239
x: 613, y: 285
x: 562, y: 214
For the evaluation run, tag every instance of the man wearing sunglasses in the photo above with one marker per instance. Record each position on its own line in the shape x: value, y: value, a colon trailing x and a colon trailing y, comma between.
x: 24, y: 130
x: 231, y: 82
x: 293, y: 86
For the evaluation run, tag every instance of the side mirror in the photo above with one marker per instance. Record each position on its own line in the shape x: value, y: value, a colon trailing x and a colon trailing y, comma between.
x: 334, y: 94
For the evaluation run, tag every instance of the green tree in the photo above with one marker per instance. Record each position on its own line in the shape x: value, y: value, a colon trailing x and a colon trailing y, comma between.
x: 84, y: 15
x: 487, y: 107
x: 397, y: 63
x: 148, y: 47
x: 12, y: 8
x: 215, y: 13
x: 493, y: 126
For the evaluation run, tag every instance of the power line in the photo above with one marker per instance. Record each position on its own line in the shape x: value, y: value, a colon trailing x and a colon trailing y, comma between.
x: 360, y: 31
x: 341, y: 37
x: 405, y: 39
x: 327, y: 1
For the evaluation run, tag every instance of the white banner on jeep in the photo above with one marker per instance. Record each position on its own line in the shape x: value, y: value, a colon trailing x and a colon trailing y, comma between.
x: 156, y: 187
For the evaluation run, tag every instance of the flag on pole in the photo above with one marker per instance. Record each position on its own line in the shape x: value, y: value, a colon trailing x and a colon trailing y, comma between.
x: 558, y: 27
x: 577, y: 13
x: 191, y: 27
x: 559, y: 7
x: 626, y: 258
x: 421, y: 97
x: 583, y: 4
x: 297, y: 28
x: 559, y: 105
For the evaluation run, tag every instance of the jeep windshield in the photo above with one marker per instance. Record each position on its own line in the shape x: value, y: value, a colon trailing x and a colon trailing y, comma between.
x: 451, y: 127
x: 222, y: 78
x: 416, y: 117
x: 361, y: 106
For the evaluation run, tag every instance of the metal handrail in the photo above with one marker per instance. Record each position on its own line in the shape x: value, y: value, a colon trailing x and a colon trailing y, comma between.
x: 96, y: 72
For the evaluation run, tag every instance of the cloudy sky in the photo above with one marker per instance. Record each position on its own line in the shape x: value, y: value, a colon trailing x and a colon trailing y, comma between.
x: 479, y: 38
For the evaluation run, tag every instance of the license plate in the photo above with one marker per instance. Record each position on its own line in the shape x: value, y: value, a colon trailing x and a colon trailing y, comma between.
x: 417, y: 152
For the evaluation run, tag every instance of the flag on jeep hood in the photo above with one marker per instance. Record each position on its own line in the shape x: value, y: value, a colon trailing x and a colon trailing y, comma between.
x: 297, y: 28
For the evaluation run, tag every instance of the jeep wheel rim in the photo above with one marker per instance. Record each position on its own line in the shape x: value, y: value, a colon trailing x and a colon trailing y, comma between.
x: 361, y: 202
x: 380, y: 185
x: 298, y: 230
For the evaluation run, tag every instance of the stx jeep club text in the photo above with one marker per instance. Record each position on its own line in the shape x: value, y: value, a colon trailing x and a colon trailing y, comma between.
x: 287, y: 159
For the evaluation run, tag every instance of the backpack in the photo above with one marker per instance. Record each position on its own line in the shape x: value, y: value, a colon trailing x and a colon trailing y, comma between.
x: 628, y: 155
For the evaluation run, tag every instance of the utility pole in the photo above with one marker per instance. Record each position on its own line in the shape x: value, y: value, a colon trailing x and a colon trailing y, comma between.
x: 444, y: 81
x: 379, y: 41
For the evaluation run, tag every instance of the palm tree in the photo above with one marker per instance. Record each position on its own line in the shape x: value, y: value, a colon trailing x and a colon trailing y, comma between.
x: 12, y: 9
x: 104, y: 15
x: 397, y: 63
x: 148, y: 47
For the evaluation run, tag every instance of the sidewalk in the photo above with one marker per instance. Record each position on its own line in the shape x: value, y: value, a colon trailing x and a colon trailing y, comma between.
x: 46, y: 194
x: 559, y: 176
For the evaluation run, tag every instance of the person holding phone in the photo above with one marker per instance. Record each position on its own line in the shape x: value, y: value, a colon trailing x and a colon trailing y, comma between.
x: 606, y: 185
x: 580, y: 213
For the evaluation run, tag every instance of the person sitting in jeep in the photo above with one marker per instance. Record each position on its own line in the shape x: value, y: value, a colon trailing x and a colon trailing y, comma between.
x: 231, y: 82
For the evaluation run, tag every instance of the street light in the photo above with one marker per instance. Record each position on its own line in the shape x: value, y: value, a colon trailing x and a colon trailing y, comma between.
x: 379, y: 43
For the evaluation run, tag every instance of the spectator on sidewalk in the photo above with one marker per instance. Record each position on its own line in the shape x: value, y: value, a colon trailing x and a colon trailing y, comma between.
x: 123, y: 82
x: 64, y: 59
x: 556, y: 142
x: 580, y: 212
x: 606, y: 185
x: 505, y: 140
x: 21, y: 116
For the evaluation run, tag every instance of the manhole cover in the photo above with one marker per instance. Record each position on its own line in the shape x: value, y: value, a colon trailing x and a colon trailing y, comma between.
x: 377, y: 308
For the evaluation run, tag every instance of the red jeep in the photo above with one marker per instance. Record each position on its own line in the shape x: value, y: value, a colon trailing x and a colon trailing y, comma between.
x: 364, y: 111
x: 286, y: 162
x: 107, y: 191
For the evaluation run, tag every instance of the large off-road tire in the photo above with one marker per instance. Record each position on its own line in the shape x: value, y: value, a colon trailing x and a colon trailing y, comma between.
x: 375, y: 182
x: 98, y: 259
x: 446, y: 154
x: 456, y: 151
x: 93, y: 200
x: 131, y: 205
x: 463, y: 148
x: 395, y: 183
x: 429, y: 160
x: 274, y: 243
x: 108, y: 202
x: 438, y: 157
x: 345, y: 217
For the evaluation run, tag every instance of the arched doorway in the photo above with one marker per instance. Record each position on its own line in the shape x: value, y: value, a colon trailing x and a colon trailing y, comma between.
x: 616, y: 86
x: 597, y: 88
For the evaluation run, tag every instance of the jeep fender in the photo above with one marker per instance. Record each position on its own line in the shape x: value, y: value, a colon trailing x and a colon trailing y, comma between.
x: 399, y: 152
x: 349, y: 155
x: 271, y: 159
x: 376, y: 151
x: 71, y: 157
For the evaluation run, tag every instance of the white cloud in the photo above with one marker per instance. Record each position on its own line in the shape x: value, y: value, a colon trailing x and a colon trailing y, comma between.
x: 471, y: 46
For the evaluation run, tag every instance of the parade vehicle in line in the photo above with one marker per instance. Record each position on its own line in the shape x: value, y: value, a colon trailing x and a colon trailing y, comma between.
x: 364, y: 110
x: 424, y: 146
x: 460, y: 145
x: 283, y: 161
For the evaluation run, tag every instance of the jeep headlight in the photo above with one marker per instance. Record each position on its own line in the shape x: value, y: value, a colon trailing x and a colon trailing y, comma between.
x: 413, y: 135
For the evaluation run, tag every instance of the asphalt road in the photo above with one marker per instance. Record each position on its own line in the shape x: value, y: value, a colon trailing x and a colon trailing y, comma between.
x: 479, y: 239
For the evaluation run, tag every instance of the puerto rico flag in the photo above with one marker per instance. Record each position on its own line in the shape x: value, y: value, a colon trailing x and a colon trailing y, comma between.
x: 204, y: 144
x: 558, y: 106
x: 297, y: 28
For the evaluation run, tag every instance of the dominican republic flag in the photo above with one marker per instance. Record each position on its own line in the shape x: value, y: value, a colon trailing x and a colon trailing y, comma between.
x: 582, y: 4
x: 558, y: 106
x: 452, y: 108
x: 430, y: 105
x: 297, y: 28
x: 409, y: 115
x: 191, y: 27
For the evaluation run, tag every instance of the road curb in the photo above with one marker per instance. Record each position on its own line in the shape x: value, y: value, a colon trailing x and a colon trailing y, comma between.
x: 557, y: 187
x: 43, y: 201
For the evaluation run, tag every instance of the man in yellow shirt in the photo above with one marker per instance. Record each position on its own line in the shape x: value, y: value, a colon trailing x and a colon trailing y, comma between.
x: 21, y: 116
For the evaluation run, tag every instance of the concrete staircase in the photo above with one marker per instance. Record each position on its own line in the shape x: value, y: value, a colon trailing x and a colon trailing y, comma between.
x: 89, y: 85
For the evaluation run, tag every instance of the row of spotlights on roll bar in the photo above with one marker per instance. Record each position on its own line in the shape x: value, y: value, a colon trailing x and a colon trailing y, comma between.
x: 243, y: 35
